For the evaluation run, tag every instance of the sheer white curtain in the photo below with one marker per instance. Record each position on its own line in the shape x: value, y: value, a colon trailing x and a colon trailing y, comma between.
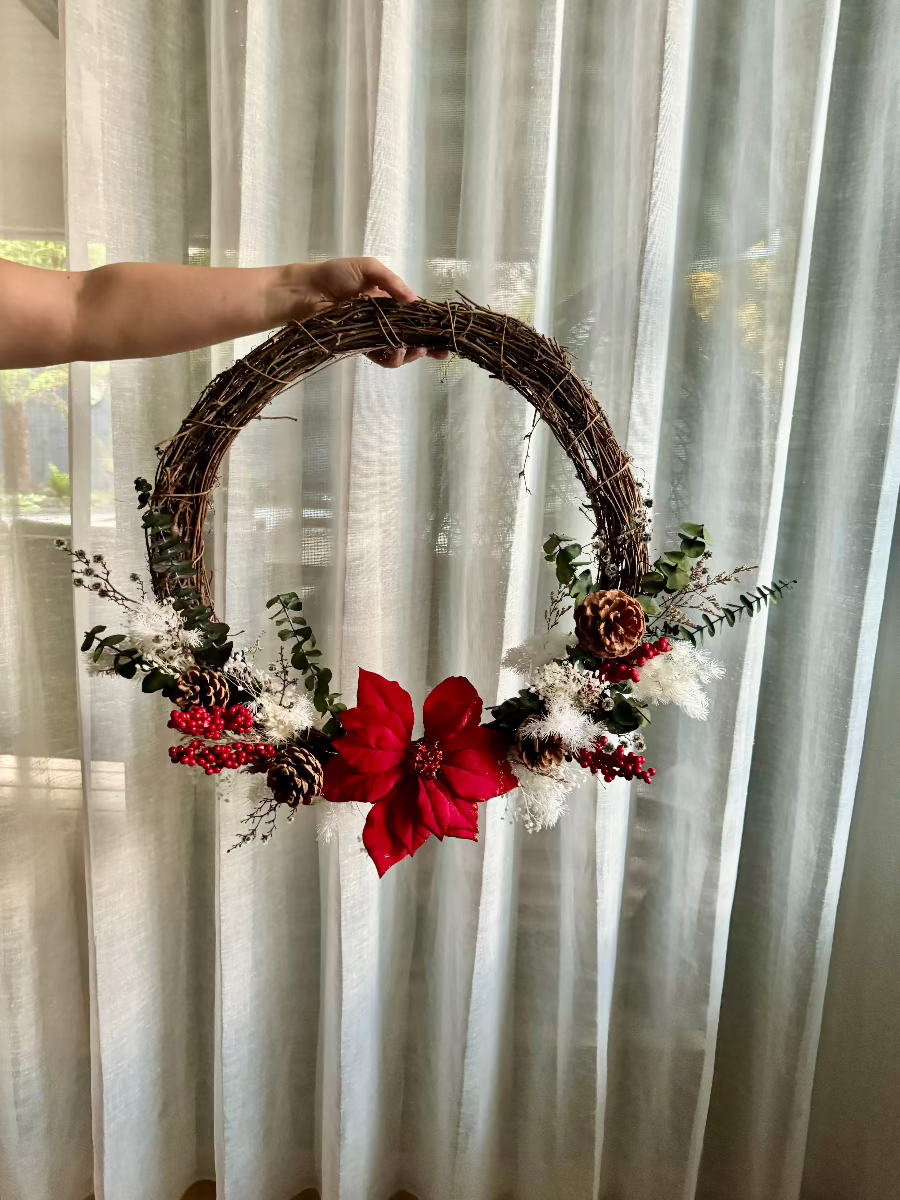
x: 700, y: 198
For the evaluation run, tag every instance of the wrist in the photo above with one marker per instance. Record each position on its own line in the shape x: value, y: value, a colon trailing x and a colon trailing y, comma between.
x: 289, y: 295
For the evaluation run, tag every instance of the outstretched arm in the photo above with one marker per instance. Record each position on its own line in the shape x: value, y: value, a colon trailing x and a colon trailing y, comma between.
x: 140, y: 310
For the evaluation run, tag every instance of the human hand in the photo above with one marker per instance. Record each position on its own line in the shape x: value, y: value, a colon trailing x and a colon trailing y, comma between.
x: 307, y: 288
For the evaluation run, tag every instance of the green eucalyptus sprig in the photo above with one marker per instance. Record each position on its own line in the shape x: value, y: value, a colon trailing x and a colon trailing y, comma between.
x: 749, y: 606
x: 679, y: 587
x: 573, y: 570
x: 512, y: 712
x: 293, y: 626
x: 170, y: 556
x: 127, y: 660
x: 671, y: 573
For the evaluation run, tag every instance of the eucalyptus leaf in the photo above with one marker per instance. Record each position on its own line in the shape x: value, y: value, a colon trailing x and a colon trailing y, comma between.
x: 626, y: 716
x: 157, y: 520
x: 677, y: 580
x: 90, y: 636
x: 564, y: 572
x: 215, y: 656
x: 652, y: 583
x: 156, y: 680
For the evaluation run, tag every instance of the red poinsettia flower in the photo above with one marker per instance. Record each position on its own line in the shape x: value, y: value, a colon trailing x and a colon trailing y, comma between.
x: 416, y: 789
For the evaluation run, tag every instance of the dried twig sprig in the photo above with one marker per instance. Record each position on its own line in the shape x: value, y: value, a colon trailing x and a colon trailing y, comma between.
x: 698, y: 597
x: 260, y: 822
x: 92, y: 572
x: 560, y: 604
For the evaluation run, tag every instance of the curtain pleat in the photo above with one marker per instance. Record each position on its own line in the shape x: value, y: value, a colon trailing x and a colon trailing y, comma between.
x: 699, y: 199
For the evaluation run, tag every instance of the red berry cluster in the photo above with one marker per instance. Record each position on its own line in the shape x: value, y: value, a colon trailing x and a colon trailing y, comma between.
x: 230, y: 755
x: 625, y: 670
x: 238, y: 719
x: 613, y: 763
x: 212, y: 722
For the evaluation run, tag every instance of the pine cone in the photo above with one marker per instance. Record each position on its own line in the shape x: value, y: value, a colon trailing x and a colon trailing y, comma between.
x: 296, y: 776
x: 203, y: 686
x: 609, y: 624
x: 540, y: 755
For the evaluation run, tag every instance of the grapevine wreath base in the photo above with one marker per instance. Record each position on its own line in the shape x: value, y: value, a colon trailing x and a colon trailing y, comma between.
x: 586, y: 695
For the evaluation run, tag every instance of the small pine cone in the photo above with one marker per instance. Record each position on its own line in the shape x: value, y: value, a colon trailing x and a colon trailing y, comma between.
x: 540, y: 755
x: 296, y: 777
x: 609, y: 624
x: 199, y: 685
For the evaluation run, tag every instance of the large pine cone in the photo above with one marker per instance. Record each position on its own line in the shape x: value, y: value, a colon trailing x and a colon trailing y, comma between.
x: 203, y: 686
x: 609, y: 624
x: 296, y: 777
x: 541, y: 755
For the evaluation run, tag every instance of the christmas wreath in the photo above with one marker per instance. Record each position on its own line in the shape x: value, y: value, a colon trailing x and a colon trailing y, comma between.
x: 637, y: 641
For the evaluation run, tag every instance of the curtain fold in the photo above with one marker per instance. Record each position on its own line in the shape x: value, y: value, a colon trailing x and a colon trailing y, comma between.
x: 699, y: 198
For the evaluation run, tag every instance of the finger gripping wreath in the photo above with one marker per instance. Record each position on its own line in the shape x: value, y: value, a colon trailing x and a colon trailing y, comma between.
x: 637, y: 638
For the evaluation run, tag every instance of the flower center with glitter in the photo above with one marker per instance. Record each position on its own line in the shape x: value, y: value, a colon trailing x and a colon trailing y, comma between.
x: 426, y: 760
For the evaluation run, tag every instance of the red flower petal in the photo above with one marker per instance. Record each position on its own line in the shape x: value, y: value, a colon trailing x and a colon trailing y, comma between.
x: 465, y: 821
x: 369, y: 745
x: 478, y: 769
x: 392, y: 830
x: 452, y: 708
x: 404, y: 819
x: 343, y: 784
x: 363, y: 717
x: 435, y: 807
x: 385, y: 696
x: 379, y: 841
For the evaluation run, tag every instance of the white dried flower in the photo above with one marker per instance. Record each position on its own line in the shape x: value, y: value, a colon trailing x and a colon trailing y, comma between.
x: 158, y: 633
x: 677, y: 678
x: 564, y: 682
x: 246, y: 676
x: 537, y: 652
x: 563, y: 720
x: 541, y: 799
x: 281, y: 720
x: 558, y: 681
